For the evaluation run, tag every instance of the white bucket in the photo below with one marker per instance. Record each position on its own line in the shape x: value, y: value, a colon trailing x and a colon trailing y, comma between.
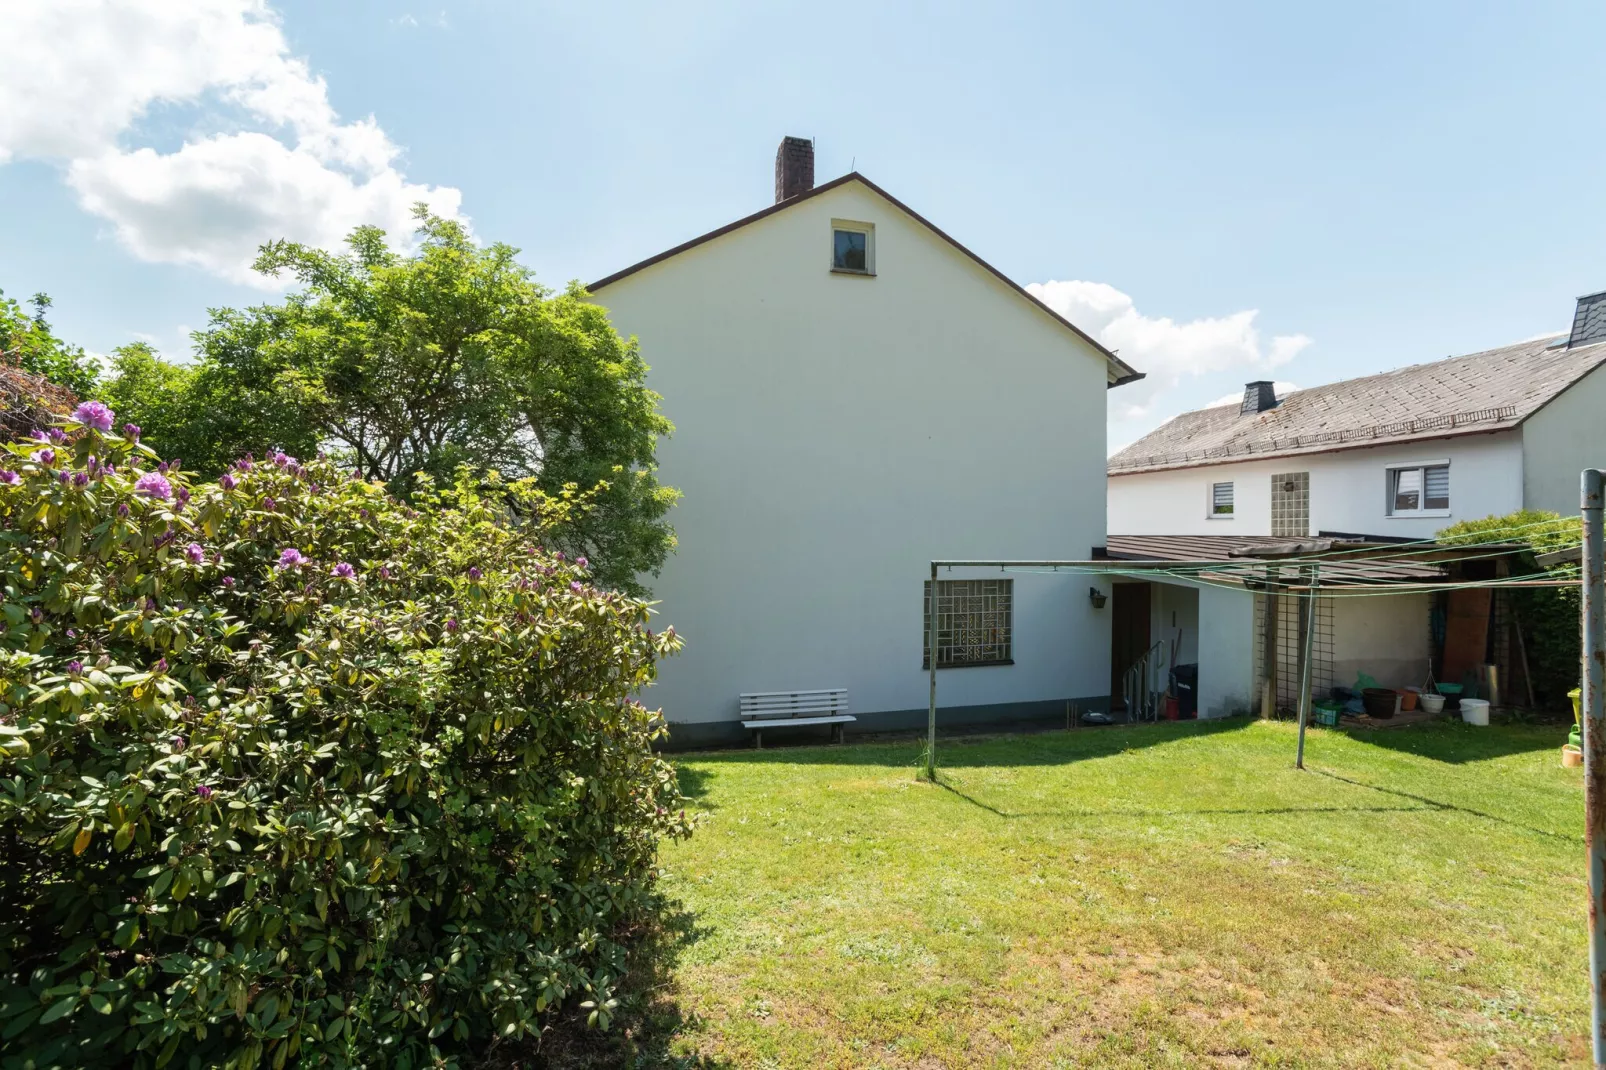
x: 1432, y: 703
x: 1475, y: 711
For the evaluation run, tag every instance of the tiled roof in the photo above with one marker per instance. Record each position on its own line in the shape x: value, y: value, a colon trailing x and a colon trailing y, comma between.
x: 1487, y: 391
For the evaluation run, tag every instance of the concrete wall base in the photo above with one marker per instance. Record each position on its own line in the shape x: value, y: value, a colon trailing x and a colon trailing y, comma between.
x: 705, y: 735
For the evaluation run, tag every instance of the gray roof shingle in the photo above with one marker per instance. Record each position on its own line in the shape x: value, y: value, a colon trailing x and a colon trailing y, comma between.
x: 1481, y: 392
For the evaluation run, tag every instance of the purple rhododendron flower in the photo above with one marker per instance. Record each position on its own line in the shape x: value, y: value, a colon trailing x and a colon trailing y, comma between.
x: 179, y: 744
x: 575, y: 586
x: 283, y: 460
x: 228, y: 581
x: 227, y: 482
x: 290, y: 557
x: 344, y: 571
x: 384, y: 572
x: 40, y: 435
x: 474, y: 572
x: 558, y: 555
x: 244, y: 464
x: 195, y: 553
x: 63, y: 476
x: 173, y: 465
x: 81, y: 479
x: 122, y: 508
x: 161, y: 665
x: 268, y: 504
x: 75, y: 667
x: 131, y: 432
x: 154, y: 485
x: 451, y: 625
x: 10, y: 477
x: 46, y: 456
x: 203, y: 791
x: 183, y: 494
x: 57, y: 435
x: 162, y: 468
x: 94, y: 414
x: 35, y: 615
x: 582, y: 562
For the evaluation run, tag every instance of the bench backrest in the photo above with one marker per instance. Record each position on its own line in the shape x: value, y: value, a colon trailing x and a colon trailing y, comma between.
x: 781, y: 704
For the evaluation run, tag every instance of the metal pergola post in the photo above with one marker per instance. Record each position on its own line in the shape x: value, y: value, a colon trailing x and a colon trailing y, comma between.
x: 1594, y: 725
x: 931, y: 660
x: 1305, y: 667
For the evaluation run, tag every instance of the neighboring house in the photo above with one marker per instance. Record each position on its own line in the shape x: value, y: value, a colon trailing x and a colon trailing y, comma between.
x: 1401, y: 454
x: 855, y: 394
x: 1365, y: 462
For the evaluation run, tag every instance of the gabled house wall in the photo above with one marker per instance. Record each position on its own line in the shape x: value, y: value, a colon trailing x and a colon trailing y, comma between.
x: 1560, y: 441
x: 834, y: 433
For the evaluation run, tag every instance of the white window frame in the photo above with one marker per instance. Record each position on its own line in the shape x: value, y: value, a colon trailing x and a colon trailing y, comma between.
x: 1210, y: 499
x: 856, y: 227
x: 1390, y: 479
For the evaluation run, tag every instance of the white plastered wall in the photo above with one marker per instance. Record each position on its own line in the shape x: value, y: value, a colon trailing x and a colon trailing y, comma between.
x: 1560, y: 441
x: 1386, y: 636
x: 834, y: 434
x: 1348, y: 490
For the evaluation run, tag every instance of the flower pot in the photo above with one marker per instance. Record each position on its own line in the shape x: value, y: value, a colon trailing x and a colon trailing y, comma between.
x: 1432, y: 703
x: 1381, y: 702
x: 1407, y: 700
x: 1571, y: 756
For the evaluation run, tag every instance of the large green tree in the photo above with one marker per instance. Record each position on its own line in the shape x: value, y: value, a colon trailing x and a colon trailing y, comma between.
x: 27, y: 341
x: 420, y: 362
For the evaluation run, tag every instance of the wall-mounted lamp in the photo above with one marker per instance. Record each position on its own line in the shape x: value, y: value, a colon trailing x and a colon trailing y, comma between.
x: 1097, y: 597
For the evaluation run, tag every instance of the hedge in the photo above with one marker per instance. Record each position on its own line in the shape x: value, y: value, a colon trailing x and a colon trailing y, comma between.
x: 294, y: 773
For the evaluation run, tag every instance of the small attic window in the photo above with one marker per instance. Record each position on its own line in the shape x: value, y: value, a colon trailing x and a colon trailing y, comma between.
x: 852, y: 247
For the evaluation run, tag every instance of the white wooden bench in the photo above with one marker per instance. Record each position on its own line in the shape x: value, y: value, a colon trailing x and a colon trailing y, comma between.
x: 788, y: 709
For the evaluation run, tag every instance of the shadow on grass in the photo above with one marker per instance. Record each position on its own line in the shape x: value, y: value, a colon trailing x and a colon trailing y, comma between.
x: 1203, y: 811
x: 1436, y: 804
x: 997, y: 745
x: 648, y: 1020
x: 1457, y: 743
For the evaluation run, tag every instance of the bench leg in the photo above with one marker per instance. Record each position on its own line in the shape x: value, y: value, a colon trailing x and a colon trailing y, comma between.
x: 758, y: 739
x: 836, y: 733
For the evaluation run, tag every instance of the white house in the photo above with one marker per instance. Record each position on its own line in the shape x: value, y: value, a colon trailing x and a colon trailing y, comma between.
x: 1390, y: 457
x: 855, y: 394
x: 1401, y: 454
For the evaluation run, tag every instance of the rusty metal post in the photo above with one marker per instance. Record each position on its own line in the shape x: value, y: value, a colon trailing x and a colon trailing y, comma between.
x: 1305, y: 656
x: 931, y: 658
x: 1268, y: 667
x: 1594, y: 718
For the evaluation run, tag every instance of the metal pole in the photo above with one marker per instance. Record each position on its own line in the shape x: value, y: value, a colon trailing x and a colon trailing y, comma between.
x: 1268, y: 677
x: 931, y: 659
x: 1594, y: 718
x: 1304, y: 671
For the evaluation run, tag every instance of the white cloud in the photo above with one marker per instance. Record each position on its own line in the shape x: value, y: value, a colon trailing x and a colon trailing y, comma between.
x: 1280, y: 388
x: 81, y: 76
x: 1168, y: 351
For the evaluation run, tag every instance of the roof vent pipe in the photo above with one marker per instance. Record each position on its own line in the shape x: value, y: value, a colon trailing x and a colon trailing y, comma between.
x: 1258, y: 397
x: 1589, y: 321
x: 794, y: 168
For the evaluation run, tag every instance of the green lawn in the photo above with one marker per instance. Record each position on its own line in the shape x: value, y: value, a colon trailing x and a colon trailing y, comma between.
x: 1161, y: 895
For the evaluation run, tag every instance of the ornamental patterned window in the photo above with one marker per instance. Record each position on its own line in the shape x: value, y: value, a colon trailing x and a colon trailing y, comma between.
x: 1290, y: 505
x: 973, y: 623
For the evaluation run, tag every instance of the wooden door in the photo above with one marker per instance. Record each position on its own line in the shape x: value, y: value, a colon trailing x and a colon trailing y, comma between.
x: 1129, y: 632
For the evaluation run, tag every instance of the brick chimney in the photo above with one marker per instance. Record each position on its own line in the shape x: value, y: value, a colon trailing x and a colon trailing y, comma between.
x: 1589, y: 321
x: 794, y: 168
x: 1258, y: 397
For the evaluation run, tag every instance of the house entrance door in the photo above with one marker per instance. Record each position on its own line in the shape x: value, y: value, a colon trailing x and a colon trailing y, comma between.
x: 1129, y: 633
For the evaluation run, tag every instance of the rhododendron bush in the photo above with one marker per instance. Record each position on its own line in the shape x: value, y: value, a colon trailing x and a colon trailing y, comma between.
x: 295, y: 774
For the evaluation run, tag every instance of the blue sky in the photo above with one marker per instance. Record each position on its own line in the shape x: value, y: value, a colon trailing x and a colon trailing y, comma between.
x: 1227, y: 192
